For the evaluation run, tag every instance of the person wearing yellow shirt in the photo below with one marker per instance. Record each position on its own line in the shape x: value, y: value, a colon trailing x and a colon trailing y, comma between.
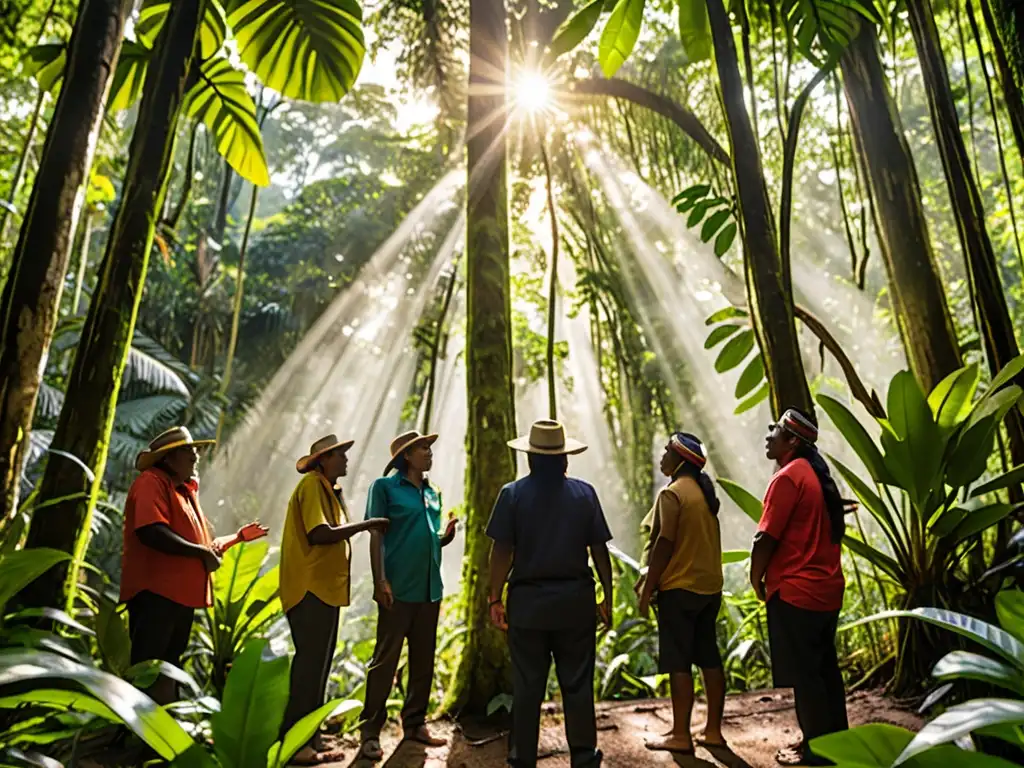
x: 315, y: 564
x: 683, y: 556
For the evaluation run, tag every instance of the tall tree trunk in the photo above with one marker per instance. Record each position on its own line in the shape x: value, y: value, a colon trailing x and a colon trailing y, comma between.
x: 87, y: 417
x: 996, y: 327
x: 1004, y: 20
x: 769, y: 290
x: 483, y: 668
x: 31, y: 296
x: 919, y: 302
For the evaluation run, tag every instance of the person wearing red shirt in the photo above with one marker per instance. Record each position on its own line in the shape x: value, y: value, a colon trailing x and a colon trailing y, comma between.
x: 169, y: 553
x: 796, y: 567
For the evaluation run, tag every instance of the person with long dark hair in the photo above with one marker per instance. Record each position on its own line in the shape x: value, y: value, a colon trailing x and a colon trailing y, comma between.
x: 683, y: 558
x: 796, y: 567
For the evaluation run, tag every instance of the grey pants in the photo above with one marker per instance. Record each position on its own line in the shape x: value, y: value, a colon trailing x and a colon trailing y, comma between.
x: 416, y: 622
x: 314, y: 626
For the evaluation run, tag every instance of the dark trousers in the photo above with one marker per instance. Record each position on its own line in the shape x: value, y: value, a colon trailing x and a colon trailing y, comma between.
x: 803, y: 646
x: 314, y: 626
x: 573, y: 651
x: 416, y: 622
x: 159, y: 628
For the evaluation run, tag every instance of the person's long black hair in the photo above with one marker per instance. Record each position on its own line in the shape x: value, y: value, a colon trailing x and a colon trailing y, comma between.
x: 833, y: 499
x: 707, y: 486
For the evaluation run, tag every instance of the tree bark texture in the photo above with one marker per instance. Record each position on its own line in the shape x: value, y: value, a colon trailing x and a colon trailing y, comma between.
x: 87, y: 417
x: 918, y: 298
x: 769, y: 290
x: 31, y: 296
x: 1004, y: 20
x: 993, y: 312
x: 483, y: 668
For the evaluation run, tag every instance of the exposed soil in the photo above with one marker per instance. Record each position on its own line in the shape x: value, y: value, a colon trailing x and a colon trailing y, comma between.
x: 756, y: 725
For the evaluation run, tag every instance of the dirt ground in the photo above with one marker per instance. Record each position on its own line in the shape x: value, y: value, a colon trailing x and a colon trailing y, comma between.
x: 756, y: 725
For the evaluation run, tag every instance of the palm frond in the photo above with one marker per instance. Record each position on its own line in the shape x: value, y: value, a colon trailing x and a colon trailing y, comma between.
x: 150, y: 415
x: 151, y: 365
x: 49, y: 401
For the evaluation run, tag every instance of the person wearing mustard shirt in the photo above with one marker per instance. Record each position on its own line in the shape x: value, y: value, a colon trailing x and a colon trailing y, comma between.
x: 408, y: 590
x: 315, y: 564
x: 168, y: 553
x: 796, y: 567
x: 683, y: 555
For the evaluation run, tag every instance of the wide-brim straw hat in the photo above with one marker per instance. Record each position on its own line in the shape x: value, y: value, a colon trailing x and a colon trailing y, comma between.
x: 404, y: 442
x: 318, y: 449
x: 547, y: 438
x: 164, y: 443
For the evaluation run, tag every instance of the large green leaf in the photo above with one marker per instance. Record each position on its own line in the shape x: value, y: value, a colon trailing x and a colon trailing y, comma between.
x: 874, y: 556
x: 962, y: 720
x: 951, y: 400
x: 734, y: 556
x: 112, y: 637
x: 1009, y: 372
x: 253, y: 707
x: 857, y: 437
x: 238, y: 571
x: 912, y: 421
x: 744, y: 499
x: 620, y: 35
x: 60, y: 699
x: 720, y: 334
x: 1010, y: 610
x: 758, y: 397
x: 20, y: 568
x: 829, y: 23
x: 140, y: 713
x: 46, y: 64
x: 727, y: 313
x: 879, y: 744
x: 874, y: 504
x: 1009, y: 478
x: 978, y: 520
x: 969, y: 457
x: 735, y: 351
x: 575, y: 29
x: 303, y: 49
x: 694, y: 29
x: 752, y: 375
x: 303, y: 731
x: 129, y: 75
x: 211, y: 34
x: 964, y: 665
x: 222, y: 102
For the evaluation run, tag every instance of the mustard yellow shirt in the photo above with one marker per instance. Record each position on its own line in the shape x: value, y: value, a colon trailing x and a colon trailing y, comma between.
x: 324, y: 569
x: 681, y: 515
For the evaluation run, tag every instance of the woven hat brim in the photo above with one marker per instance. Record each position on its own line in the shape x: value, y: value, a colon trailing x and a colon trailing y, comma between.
x: 148, y: 458
x: 571, y: 447
x: 428, y: 439
x: 306, y: 463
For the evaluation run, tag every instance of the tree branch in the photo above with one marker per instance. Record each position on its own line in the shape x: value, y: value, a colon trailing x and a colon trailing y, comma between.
x: 688, y: 122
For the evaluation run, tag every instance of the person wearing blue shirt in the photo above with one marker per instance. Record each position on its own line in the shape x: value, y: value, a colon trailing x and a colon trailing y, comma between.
x: 543, y: 527
x: 407, y: 588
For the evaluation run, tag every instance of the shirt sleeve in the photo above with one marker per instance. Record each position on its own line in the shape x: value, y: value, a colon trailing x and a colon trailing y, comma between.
x: 501, y: 527
x: 668, y: 511
x: 313, y: 501
x: 599, y: 531
x: 377, y: 500
x: 779, y: 502
x: 152, y: 502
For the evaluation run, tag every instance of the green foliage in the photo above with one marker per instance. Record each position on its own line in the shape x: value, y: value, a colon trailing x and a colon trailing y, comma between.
x: 718, y: 214
x: 695, y: 30
x: 20, y: 568
x: 828, y: 25
x: 575, y: 29
x: 620, y: 35
x: 731, y: 326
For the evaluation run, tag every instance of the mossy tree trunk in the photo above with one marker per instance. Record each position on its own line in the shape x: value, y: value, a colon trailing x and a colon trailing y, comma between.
x: 1004, y: 20
x: 993, y: 313
x: 769, y: 288
x: 87, y: 417
x: 483, y: 668
x: 31, y: 296
x: 918, y: 300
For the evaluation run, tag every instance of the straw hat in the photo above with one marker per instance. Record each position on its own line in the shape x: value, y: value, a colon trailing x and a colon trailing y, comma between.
x: 547, y: 438
x: 164, y: 443
x: 404, y: 442
x: 318, y: 449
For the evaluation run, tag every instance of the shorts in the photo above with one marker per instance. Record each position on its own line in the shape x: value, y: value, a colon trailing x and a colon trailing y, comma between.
x: 159, y: 628
x: 686, y: 631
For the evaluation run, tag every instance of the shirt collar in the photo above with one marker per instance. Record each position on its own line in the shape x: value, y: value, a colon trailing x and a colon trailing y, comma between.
x: 403, y: 479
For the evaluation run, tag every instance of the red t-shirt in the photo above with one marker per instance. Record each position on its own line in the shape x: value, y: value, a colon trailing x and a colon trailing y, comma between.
x: 806, y: 569
x: 154, y: 499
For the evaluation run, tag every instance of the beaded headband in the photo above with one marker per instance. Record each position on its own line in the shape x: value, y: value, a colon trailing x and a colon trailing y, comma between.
x: 693, y: 454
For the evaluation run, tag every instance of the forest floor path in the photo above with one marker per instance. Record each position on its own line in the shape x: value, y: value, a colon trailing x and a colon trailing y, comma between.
x: 756, y: 725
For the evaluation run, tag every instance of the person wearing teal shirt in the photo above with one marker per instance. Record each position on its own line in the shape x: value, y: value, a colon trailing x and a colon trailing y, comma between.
x: 407, y: 589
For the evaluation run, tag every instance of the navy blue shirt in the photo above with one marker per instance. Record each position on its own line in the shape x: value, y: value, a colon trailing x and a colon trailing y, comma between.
x: 550, y: 522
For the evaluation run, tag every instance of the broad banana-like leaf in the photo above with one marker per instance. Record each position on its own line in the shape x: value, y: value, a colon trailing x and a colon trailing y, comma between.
x: 283, y: 751
x: 858, y: 438
x: 1005, y: 376
x: 147, y: 719
x: 20, y: 568
x: 978, y: 520
x: 46, y: 64
x: 211, y: 34
x: 222, y: 102
x: 251, y: 712
x: 129, y: 76
x: 112, y: 637
x: 303, y: 49
x: 695, y: 30
x: 952, y: 399
x: 62, y: 700
x: 575, y: 29
x: 744, y: 499
x: 880, y: 744
x: 962, y: 720
x: 1014, y: 476
x: 1010, y: 610
x: 964, y: 665
x: 238, y: 571
x: 620, y: 35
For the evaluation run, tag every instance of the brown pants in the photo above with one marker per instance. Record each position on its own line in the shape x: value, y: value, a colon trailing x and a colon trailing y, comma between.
x: 416, y: 622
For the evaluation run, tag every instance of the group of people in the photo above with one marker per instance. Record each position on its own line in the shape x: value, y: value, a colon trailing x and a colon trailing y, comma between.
x: 547, y: 529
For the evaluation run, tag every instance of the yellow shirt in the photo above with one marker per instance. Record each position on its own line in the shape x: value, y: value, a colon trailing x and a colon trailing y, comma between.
x: 681, y: 515
x: 324, y: 569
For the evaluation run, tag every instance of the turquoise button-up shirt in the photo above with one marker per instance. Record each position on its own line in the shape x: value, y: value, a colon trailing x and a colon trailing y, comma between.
x: 412, y: 544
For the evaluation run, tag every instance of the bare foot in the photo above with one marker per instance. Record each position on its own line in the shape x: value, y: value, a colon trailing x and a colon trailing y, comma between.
x: 713, y: 739
x: 679, y: 743
x: 305, y: 756
x: 424, y: 736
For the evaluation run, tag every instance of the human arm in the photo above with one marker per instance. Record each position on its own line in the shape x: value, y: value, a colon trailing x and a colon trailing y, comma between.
x: 248, y: 532
x: 603, y: 563
x: 449, y: 532
x: 760, y: 556
x: 381, y: 587
x: 325, y: 534
x: 779, y: 502
x: 160, y: 537
x: 664, y: 530
x: 501, y: 564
